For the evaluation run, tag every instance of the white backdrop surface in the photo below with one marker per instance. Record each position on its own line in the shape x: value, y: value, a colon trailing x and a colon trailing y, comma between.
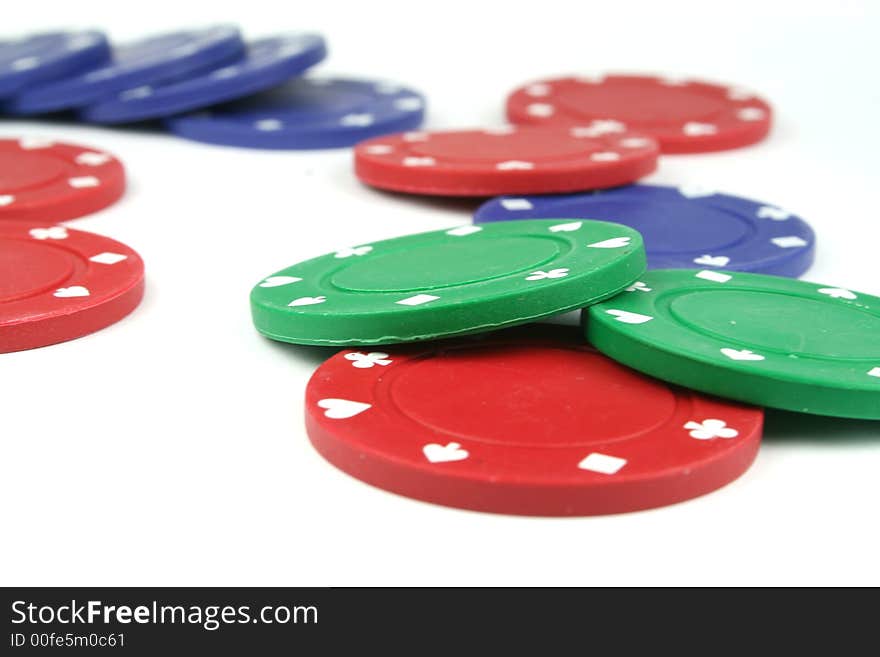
x: 169, y: 449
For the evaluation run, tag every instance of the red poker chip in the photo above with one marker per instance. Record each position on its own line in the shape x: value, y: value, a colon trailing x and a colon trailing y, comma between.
x: 684, y: 116
x: 42, y: 180
x: 535, y: 426
x: 58, y: 284
x: 508, y: 160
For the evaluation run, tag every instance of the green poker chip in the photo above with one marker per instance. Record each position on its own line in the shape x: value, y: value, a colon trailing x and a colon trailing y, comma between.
x: 463, y: 280
x: 767, y: 340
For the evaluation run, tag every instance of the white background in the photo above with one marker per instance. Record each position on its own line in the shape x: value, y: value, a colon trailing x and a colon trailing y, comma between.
x: 169, y: 449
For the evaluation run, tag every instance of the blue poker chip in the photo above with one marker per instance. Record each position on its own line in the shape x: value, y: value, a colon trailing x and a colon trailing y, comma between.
x: 40, y: 58
x: 683, y: 227
x: 307, y: 113
x: 267, y: 63
x: 162, y: 58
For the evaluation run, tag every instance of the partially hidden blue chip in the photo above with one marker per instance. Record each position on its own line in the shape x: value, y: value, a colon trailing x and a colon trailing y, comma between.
x: 682, y: 227
x: 162, y: 58
x: 40, y: 58
x: 267, y: 63
x: 307, y: 113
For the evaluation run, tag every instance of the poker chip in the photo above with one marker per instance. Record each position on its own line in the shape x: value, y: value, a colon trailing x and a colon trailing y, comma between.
x: 506, y: 160
x: 682, y: 227
x: 685, y: 116
x: 57, y: 284
x: 771, y: 341
x: 307, y: 113
x: 267, y: 62
x: 43, y: 180
x: 42, y: 57
x: 160, y: 58
x: 466, y: 279
x: 520, y: 425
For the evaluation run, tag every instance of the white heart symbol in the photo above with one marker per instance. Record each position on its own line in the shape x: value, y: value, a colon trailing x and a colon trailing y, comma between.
x: 73, y: 291
x: 342, y: 409
x: 741, y: 354
x: 6, y: 199
x: 629, y: 318
x: 275, y: 281
x: 444, y: 453
x: 613, y: 243
x: 306, y: 301
x: 566, y: 228
x: 712, y: 261
x: 837, y: 293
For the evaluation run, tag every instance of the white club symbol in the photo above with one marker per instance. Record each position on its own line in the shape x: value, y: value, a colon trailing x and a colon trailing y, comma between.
x: 543, y: 275
x: 353, y: 251
x: 365, y: 361
x: 709, y: 429
x: 638, y: 286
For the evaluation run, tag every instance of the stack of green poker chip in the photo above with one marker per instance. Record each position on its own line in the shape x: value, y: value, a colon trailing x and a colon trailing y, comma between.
x: 468, y: 279
x: 767, y: 340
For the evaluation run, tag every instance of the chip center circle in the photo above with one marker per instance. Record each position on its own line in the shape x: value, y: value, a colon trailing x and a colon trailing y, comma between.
x: 21, y: 171
x: 636, y: 104
x: 777, y: 322
x: 533, y: 397
x: 517, y: 145
x: 447, y: 264
x: 27, y: 268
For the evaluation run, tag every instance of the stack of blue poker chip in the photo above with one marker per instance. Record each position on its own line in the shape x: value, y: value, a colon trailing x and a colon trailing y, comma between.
x: 40, y: 58
x: 158, y: 59
x: 267, y: 62
x: 207, y: 85
x: 683, y: 227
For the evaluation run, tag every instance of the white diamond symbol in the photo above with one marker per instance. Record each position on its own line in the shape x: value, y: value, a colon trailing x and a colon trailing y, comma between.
x: 602, y: 463
x: 357, y: 120
x: 82, y: 182
x: 92, y: 159
x: 515, y: 165
x: 461, y: 231
x: 419, y: 161
x: 378, y: 149
x: 268, y: 125
x: 108, y: 258
x: 516, y: 204
x: 417, y: 300
x: 409, y: 104
x: 538, y: 89
x: 751, y: 114
x: 789, y: 242
x: 714, y: 276
x: 540, y: 109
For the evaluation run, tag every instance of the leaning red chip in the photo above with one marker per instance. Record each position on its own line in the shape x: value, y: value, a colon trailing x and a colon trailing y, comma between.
x: 43, y: 180
x: 57, y: 284
x: 685, y: 116
x: 507, y: 160
x: 523, y: 424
